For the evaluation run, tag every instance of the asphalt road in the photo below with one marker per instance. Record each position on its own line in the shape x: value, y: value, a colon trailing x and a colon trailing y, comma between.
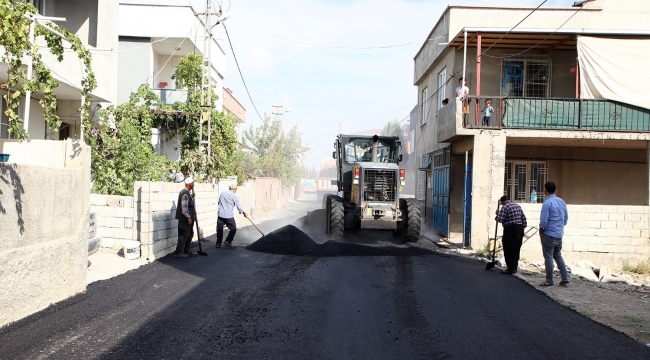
x: 239, y: 304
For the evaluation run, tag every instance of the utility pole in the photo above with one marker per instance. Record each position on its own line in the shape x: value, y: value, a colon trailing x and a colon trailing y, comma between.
x: 206, y: 76
x: 277, y: 112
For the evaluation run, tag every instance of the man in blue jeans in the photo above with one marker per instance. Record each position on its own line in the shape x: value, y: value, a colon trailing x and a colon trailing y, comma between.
x: 228, y: 200
x: 552, y: 220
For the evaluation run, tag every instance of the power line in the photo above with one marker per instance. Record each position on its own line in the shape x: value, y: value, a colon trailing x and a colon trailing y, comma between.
x: 240, y: 73
x: 324, y: 46
x: 354, y: 118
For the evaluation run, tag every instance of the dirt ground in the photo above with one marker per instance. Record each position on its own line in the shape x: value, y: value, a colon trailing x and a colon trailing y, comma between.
x: 623, y: 305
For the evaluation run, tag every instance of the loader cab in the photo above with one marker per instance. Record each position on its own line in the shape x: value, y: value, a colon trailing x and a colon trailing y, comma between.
x: 352, y: 149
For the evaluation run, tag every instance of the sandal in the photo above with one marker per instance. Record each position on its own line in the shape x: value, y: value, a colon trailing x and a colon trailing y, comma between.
x: 564, y: 282
x: 545, y: 284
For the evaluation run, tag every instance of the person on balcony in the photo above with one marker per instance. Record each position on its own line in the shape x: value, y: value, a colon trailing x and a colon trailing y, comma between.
x: 462, y: 92
x: 487, y: 113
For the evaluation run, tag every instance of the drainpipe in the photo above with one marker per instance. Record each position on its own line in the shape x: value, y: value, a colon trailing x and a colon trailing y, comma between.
x: 478, y: 77
x: 465, y: 235
x: 464, y: 57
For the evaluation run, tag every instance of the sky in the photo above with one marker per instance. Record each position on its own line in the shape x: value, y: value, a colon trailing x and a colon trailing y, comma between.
x: 323, y: 86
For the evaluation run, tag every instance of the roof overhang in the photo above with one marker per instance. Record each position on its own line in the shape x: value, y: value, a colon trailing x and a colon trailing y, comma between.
x: 540, y: 39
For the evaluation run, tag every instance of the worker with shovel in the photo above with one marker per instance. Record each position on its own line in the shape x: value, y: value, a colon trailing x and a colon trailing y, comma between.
x: 514, y: 221
x: 186, y: 216
x: 228, y: 200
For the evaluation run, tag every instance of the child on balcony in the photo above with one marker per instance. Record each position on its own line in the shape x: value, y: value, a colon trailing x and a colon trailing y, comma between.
x: 487, y: 112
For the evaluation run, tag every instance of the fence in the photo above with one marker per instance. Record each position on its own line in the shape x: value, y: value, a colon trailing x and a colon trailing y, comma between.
x: 556, y: 113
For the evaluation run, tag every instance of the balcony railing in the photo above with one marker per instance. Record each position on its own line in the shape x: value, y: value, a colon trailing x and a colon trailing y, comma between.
x: 171, y: 96
x: 555, y: 114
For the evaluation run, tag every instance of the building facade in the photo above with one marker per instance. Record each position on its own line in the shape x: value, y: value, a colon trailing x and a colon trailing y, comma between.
x: 232, y: 106
x: 95, y: 23
x: 552, y: 119
x: 153, y: 37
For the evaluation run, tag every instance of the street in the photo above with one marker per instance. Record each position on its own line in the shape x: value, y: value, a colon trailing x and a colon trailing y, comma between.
x: 240, y: 304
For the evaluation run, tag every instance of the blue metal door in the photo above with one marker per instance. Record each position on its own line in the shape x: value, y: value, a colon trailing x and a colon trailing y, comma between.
x: 440, y: 196
x: 467, y: 208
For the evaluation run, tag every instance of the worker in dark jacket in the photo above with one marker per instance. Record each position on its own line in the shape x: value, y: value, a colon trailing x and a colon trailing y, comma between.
x: 186, y: 216
x: 514, y: 221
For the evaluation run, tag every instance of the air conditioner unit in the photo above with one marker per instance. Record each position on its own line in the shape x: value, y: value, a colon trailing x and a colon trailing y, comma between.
x: 425, y: 162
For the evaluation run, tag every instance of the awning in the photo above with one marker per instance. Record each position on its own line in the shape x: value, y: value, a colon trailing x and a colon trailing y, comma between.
x: 614, y: 69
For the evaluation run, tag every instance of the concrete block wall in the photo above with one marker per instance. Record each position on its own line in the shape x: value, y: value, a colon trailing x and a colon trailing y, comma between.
x: 114, y: 216
x: 155, y: 224
x: 602, y: 234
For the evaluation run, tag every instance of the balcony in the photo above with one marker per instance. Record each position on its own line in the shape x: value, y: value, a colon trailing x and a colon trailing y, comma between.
x: 171, y: 96
x: 542, y: 114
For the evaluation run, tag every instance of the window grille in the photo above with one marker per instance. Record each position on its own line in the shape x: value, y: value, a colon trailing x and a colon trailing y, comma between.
x: 526, y: 76
x: 521, y: 177
x: 422, y: 179
x: 424, y: 107
x: 442, y: 77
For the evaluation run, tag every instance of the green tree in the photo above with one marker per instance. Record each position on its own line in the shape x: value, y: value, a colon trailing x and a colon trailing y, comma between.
x: 277, y: 154
x: 121, y: 146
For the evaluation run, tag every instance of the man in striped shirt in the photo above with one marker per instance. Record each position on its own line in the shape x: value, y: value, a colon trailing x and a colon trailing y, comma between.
x: 514, y: 222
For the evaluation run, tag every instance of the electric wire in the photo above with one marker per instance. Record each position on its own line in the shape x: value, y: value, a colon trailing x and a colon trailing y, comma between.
x: 324, y: 46
x: 240, y: 73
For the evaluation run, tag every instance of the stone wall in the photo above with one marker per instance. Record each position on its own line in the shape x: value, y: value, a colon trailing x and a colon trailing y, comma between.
x: 602, y: 234
x: 44, y: 221
x: 114, y: 215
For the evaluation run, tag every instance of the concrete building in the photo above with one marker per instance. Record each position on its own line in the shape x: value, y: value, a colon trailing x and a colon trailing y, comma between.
x: 554, y: 119
x: 232, y: 106
x: 95, y: 23
x: 153, y: 37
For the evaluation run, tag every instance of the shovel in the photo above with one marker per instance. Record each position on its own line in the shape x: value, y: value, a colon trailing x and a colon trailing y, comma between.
x: 258, y: 229
x: 198, y: 235
x: 493, y: 263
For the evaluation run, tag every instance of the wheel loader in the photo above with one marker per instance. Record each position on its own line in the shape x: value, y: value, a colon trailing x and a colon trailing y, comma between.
x: 369, y: 183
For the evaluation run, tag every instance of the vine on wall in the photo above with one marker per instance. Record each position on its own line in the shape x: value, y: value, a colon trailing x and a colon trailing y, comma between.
x: 14, y: 37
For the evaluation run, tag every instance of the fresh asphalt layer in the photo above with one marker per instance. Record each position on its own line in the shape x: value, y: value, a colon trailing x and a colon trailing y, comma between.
x: 240, y: 304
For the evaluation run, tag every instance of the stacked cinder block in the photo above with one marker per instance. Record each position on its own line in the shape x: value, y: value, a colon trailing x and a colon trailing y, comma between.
x: 599, y: 233
x: 114, y: 215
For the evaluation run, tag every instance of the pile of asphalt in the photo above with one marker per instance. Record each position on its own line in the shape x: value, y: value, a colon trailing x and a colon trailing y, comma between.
x: 289, y: 240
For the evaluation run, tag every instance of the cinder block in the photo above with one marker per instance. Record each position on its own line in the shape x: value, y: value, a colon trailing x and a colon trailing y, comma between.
x: 608, y: 224
x: 123, y: 212
x: 616, y: 248
x: 593, y: 208
x: 610, y: 240
x: 642, y: 250
x: 644, y: 233
x: 580, y: 247
x: 633, y: 234
x: 155, y: 187
x: 595, y: 248
x: 587, y: 232
x: 616, y: 217
x: 597, y: 216
x: 103, y: 211
x: 592, y: 224
x: 602, y: 232
x: 636, y: 217
x: 105, y: 232
x: 609, y: 208
x: 112, y: 222
x: 126, y: 234
x: 576, y: 208
x: 97, y: 200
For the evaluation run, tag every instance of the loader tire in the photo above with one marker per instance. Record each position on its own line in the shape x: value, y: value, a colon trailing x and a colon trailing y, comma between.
x: 335, y: 217
x: 411, y: 220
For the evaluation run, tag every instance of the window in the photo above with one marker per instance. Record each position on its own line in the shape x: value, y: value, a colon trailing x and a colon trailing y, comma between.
x: 423, y: 107
x: 361, y: 150
x: 442, y: 77
x: 526, y: 76
x: 39, y: 5
x: 4, y: 120
x: 522, y: 177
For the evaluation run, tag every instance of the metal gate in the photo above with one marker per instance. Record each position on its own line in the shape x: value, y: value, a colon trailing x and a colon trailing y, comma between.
x: 440, y: 193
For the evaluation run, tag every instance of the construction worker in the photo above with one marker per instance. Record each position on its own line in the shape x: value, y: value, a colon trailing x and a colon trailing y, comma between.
x: 228, y: 200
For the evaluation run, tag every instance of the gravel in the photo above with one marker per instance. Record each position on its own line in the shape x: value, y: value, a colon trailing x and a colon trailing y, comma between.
x: 289, y: 240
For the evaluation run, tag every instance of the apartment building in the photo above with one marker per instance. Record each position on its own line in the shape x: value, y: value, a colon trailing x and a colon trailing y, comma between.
x: 232, y: 106
x: 95, y: 23
x: 153, y: 37
x: 566, y: 87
